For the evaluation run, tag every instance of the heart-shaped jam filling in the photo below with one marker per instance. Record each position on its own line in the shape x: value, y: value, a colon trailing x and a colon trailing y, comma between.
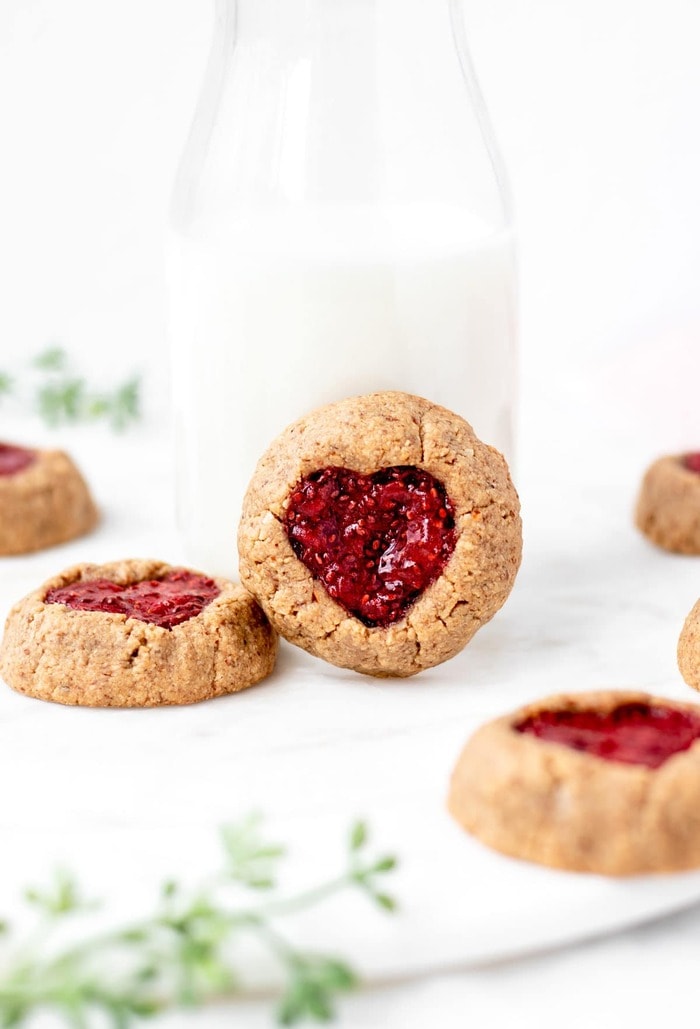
x: 14, y: 459
x: 167, y: 602
x: 634, y: 733
x: 374, y: 541
x: 692, y: 462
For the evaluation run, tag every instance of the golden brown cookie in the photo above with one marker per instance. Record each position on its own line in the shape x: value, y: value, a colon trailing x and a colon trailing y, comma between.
x: 668, y: 508
x: 604, y: 782
x: 380, y: 534
x: 43, y: 500
x: 135, y: 634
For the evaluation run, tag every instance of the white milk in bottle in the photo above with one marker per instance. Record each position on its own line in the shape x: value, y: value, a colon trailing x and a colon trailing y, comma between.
x: 339, y: 229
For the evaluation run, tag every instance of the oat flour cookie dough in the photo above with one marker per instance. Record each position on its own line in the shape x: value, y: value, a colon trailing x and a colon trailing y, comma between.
x: 43, y: 500
x: 668, y: 508
x: 689, y: 649
x: 181, y: 639
x: 594, y: 782
x: 380, y: 534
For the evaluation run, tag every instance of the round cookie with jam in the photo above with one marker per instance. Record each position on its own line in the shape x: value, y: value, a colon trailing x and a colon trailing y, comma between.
x: 605, y: 782
x: 135, y: 634
x: 668, y: 507
x: 43, y: 500
x: 380, y: 534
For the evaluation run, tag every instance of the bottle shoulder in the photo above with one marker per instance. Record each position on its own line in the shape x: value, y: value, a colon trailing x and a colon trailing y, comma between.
x: 388, y: 117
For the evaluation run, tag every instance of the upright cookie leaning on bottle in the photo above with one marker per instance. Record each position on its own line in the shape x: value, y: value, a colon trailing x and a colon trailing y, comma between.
x: 379, y: 533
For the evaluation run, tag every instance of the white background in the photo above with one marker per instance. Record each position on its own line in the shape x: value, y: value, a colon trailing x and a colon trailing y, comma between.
x: 595, y: 105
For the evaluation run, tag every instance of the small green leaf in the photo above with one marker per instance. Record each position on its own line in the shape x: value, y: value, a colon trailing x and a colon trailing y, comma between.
x: 385, y: 901
x: 292, y: 1007
x: 13, y: 1013
x: 134, y: 936
x: 385, y: 864
x: 6, y: 384
x: 146, y: 1008
x: 126, y: 404
x: 336, y: 975
x: 53, y: 359
x: 97, y: 407
x: 62, y: 402
x: 318, y: 1005
x: 358, y: 836
x: 260, y: 884
x: 61, y: 898
x: 147, y: 974
x: 250, y: 861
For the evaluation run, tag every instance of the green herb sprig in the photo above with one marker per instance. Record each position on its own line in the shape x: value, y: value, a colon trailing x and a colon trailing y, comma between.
x: 61, y: 397
x: 181, y: 955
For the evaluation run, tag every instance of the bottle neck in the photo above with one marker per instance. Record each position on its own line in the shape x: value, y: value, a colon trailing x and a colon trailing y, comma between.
x: 342, y: 102
x: 272, y: 19
x: 307, y: 22
x: 277, y: 17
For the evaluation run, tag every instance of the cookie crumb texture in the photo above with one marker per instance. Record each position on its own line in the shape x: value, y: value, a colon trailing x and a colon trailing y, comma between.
x: 365, y: 436
x: 618, y: 793
x: 689, y: 649
x: 105, y: 659
x: 668, y: 507
x: 44, y: 501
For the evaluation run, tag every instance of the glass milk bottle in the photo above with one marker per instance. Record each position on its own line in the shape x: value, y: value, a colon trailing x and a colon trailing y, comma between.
x: 339, y: 226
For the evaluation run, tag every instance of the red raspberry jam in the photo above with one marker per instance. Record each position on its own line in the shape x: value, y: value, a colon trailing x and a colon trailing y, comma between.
x: 167, y: 602
x: 634, y: 733
x: 14, y: 459
x: 374, y: 541
x: 692, y: 462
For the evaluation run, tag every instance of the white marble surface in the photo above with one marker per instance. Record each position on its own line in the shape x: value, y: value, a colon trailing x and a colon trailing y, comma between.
x: 595, y: 106
x: 124, y: 797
